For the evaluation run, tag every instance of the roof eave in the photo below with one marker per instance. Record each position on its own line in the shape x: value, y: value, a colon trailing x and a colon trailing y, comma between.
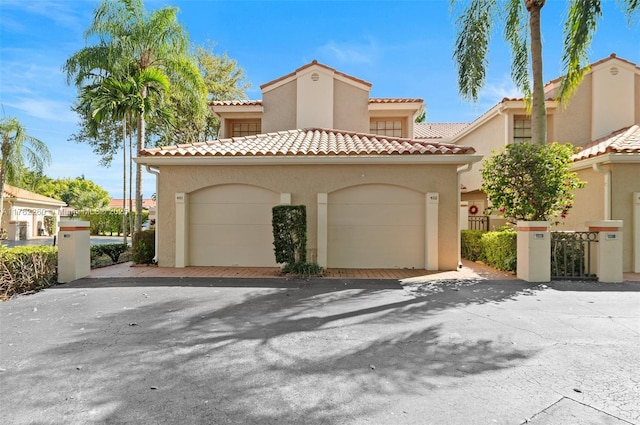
x: 607, y: 158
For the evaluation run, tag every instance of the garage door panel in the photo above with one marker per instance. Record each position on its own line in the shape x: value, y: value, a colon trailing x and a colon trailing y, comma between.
x: 371, y: 214
x: 230, y: 225
x: 231, y: 214
x: 376, y: 226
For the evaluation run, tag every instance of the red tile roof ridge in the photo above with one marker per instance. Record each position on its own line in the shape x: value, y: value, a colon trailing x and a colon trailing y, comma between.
x: 395, y: 100
x: 596, y: 63
x: 310, y: 64
x: 624, y: 140
x: 308, y: 142
x: 236, y: 102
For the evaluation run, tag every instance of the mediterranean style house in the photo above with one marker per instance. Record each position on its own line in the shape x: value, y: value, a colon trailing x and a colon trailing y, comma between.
x: 377, y: 194
x: 26, y: 215
x: 381, y: 191
x: 601, y: 119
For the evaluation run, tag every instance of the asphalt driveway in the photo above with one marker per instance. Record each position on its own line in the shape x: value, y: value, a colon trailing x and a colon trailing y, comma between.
x: 271, y: 351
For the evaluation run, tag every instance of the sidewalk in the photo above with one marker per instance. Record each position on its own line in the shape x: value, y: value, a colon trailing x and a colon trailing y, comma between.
x: 469, y: 271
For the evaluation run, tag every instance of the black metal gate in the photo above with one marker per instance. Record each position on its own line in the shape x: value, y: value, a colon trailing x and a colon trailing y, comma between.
x: 479, y: 222
x: 572, y: 254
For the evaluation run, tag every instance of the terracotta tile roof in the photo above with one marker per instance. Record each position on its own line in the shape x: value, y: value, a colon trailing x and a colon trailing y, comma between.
x: 626, y: 140
x: 23, y: 194
x: 425, y: 130
x: 309, y: 142
x: 394, y: 100
x: 236, y: 103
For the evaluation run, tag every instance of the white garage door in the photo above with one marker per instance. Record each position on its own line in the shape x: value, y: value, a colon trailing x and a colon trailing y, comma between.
x: 376, y: 226
x: 230, y: 225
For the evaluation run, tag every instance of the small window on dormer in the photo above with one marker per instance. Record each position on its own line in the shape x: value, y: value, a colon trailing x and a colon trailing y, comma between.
x: 521, y: 129
x: 240, y: 128
x: 392, y: 127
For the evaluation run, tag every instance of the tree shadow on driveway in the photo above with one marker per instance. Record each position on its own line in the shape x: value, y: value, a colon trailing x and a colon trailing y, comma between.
x: 238, y: 353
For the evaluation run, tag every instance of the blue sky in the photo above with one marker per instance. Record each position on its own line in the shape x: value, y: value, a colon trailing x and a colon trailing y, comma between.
x: 404, y: 48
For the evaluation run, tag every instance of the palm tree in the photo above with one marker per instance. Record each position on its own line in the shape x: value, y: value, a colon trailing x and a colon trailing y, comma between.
x: 133, y: 41
x: 522, y: 31
x: 19, y: 149
x: 121, y: 101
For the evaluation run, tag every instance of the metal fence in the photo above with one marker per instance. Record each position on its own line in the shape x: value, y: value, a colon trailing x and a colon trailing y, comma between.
x: 479, y: 222
x: 573, y: 255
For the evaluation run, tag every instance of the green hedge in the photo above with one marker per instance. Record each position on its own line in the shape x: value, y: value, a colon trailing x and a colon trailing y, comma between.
x: 27, y: 269
x: 497, y: 249
x: 143, y: 246
x: 113, y: 250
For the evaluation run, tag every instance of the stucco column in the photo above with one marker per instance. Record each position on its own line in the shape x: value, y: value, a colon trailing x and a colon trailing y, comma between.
x: 636, y: 232
x: 182, y: 231
x: 609, y: 264
x: 74, y: 259
x: 534, y: 251
x: 432, y: 200
x: 285, y: 199
x: 323, y: 200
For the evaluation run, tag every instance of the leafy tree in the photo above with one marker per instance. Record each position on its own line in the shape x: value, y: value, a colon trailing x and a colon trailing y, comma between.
x: 224, y: 80
x: 130, y: 42
x: 17, y: 150
x: 531, y: 182
x: 80, y: 193
x: 522, y: 32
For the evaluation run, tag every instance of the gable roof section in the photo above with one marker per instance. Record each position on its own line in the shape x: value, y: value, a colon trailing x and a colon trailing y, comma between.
x: 311, y: 142
x: 26, y: 196
x: 423, y: 130
x: 340, y: 75
x: 626, y: 140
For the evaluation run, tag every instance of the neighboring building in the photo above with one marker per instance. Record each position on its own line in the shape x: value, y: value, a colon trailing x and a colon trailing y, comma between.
x: 602, y: 118
x: 147, y: 204
x: 26, y: 215
x: 377, y: 195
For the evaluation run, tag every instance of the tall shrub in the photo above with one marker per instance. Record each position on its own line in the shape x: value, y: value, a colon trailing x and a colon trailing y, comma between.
x: 531, y: 182
x: 143, y: 246
x: 27, y: 269
x: 290, y: 233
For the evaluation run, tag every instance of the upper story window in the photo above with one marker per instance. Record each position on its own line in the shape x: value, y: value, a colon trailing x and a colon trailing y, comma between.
x: 239, y: 128
x: 521, y: 129
x: 392, y: 127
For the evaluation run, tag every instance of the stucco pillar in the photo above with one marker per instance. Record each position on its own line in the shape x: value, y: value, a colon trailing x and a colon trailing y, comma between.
x: 182, y: 230
x: 609, y: 257
x: 464, y: 215
x: 285, y: 199
x: 431, y: 231
x: 323, y: 230
x: 636, y: 232
x: 74, y: 259
x: 534, y: 251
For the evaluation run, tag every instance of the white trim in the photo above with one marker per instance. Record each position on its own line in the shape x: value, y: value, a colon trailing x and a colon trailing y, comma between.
x: 409, y: 159
x: 609, y: 158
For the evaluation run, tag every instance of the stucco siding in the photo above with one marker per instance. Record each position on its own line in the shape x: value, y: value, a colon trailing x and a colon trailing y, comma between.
x: 485, y: 139
x: 572, y: 124
x: 304, y: 183
x: 350, y: 108
x: 588, y: 203
x: 279, y: 108
x: 625, y: 179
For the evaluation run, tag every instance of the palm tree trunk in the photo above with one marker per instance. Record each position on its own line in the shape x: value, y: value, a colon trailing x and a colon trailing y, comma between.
x: 124, y: 180
x: 140, y: 146
x: 3, y: 178
x: 538, y: 110
x: 130, y: 221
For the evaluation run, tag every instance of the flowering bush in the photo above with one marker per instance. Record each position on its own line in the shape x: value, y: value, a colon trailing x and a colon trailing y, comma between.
x: 531, y: 182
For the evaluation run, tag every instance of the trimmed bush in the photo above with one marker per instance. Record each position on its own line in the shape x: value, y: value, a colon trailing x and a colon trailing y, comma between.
x: 501, y: 249
x: 27, y: 269
x: 498, y: 249
x: 290, y: 233
x: 471, y: 245
x: 113, y: 250
x: 143, y: 247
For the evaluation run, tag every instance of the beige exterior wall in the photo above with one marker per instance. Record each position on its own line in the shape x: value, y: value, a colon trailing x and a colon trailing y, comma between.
x: 485, y: 139
x: 625, y: 180
x: 350, y: 109
x: 314, y: 107
x: 279, y: 108
x: 637, y: 97
x: 304, y: 182
x: 588, y: 203
x: 613, y: 98
x: 572, y: 124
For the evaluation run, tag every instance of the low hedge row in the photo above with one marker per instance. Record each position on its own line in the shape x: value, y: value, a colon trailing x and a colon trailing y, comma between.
x: 27, y: 269
x: 497, y: 249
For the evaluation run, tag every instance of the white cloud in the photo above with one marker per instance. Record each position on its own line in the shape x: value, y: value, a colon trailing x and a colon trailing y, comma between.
x: 63, y: 13
x: 46, y: 109
x: 350, y: 52
x: 495, y: 91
